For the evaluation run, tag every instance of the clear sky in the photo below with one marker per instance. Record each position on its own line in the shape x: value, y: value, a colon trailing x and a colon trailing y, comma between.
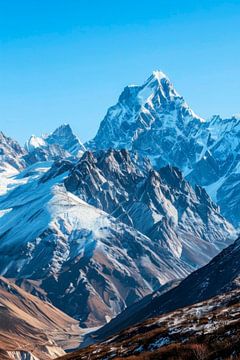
x: 68, y: 60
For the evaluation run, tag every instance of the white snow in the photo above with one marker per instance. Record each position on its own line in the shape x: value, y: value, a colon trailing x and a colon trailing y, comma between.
x: 35, y: 142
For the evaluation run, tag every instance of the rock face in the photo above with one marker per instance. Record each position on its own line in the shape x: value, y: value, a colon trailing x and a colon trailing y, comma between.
x: 11, y: 154
x: 181, y: 221
x: 90, y: 263
x: 32, y: 329
x: 218, y: 277
x: 154, y: 120
x: 66, y: 139
x: 218, y: 169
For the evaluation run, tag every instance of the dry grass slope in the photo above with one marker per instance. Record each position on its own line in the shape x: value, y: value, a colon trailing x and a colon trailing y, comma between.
x: 30, y: 325
x: 206, y: 331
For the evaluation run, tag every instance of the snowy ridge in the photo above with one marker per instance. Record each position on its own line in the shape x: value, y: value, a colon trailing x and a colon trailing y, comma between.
x: 73, y: 249
x: 11, y: 154
x: 161, y: 204
x: 61, y: 144
x: 55, y: 234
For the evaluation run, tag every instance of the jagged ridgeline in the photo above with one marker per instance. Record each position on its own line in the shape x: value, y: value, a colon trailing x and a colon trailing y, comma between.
x: 118, y: 222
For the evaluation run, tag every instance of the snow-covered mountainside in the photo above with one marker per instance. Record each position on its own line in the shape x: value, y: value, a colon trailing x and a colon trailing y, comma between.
x: 90, y: 263
x: 220, y: 276
x: 181, y: 221
x: 154, y: 120
x: 62, y: 143
x: 32, y: 329
x: 218, y: 168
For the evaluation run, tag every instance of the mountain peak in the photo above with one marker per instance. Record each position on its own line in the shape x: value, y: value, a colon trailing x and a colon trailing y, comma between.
x: 61, y: 143
x: 158, y: 75
x: 63, y: 130
x: 65, y: 137
x: 159, y: 79
x: 157, y: 85
x: 142, y: 112
x: 34, y: 142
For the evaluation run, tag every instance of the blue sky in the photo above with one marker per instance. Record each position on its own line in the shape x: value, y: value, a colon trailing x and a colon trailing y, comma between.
x: 68, y: 61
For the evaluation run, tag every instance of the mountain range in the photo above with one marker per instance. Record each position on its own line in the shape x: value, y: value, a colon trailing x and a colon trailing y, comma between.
x: 94, y: 258
x: 133, y: 224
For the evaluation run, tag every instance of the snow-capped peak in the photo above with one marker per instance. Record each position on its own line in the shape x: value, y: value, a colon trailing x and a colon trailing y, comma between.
x: 61, y: 143
x: 63, y: 130
x: 34, y: 142
x: 65, y: 138
x: 159, y: 75
x: 154, y: 105
x: 157, y: 79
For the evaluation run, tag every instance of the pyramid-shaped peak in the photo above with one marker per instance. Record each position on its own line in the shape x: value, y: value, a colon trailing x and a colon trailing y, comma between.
x: 63, y: 129
x: 159, y: 75
x: 66, y: 139
x: 157, y: 78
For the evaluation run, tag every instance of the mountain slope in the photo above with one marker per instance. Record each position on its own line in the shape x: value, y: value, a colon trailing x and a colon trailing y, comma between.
x: 11, y: 154
x: 221, y: 275
x: 218, y: 169
x: 181, y: 221
x: 207, y: 330
x: 88, y: 263
x: 32, y: 329
x: 154, y: 120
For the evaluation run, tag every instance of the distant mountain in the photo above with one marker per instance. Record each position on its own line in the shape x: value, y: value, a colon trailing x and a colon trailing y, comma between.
x: 155, y: 120
x: 90, y: 263
x: 62, y: 143
x: 32, y: 329
x: 66, y: 139
x: 220, y: 276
